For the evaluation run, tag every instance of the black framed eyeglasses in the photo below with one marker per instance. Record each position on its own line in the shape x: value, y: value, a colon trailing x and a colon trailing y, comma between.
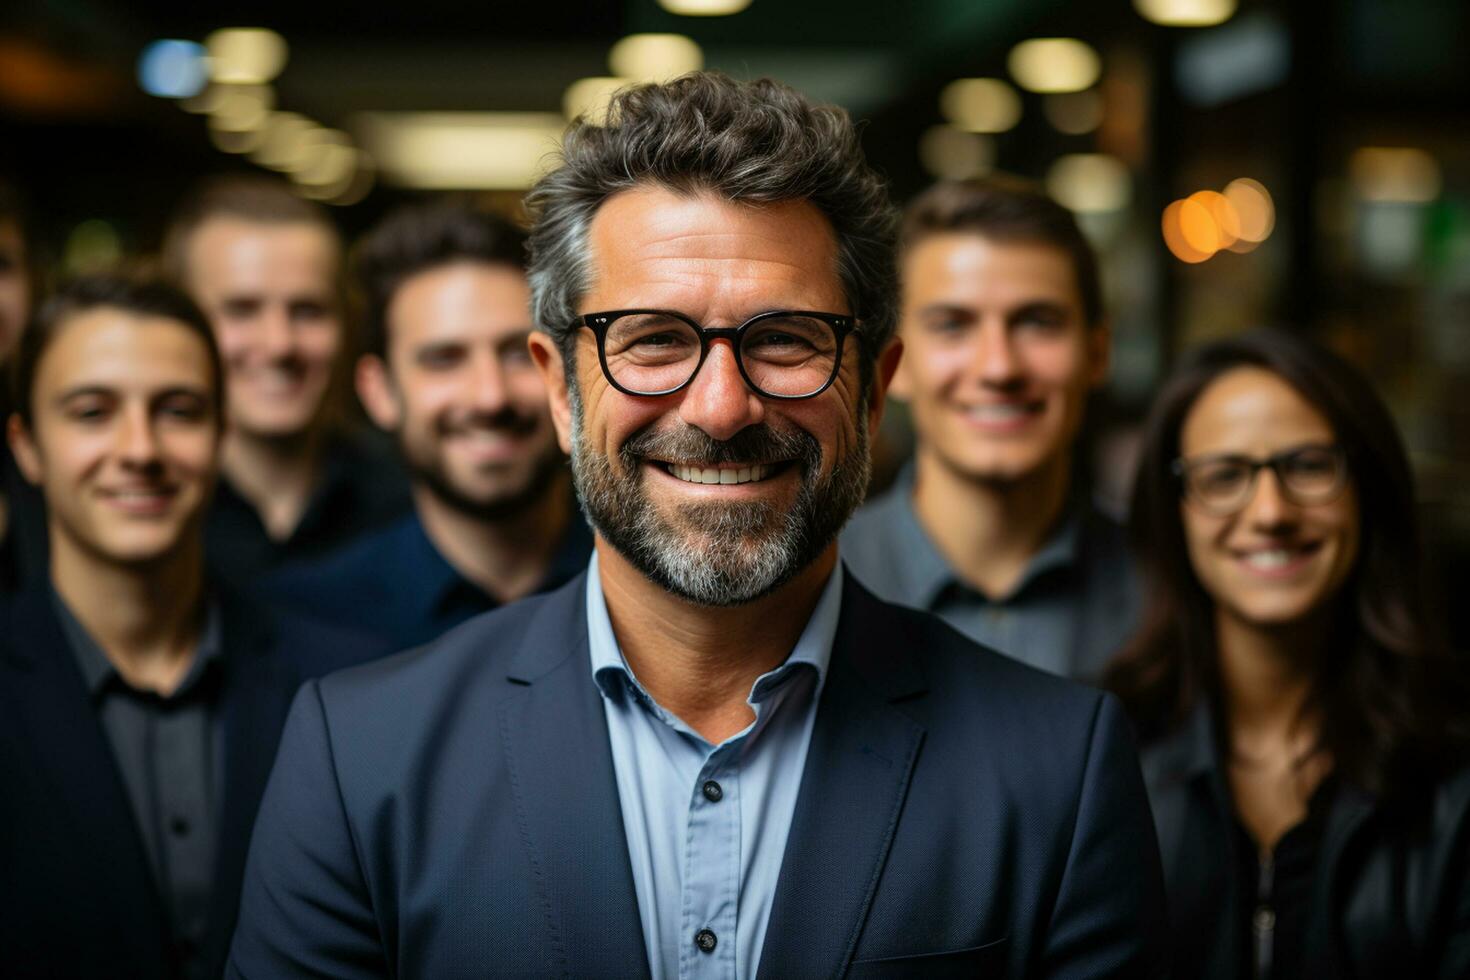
x: 1223, y: 483
x: 781, y: 354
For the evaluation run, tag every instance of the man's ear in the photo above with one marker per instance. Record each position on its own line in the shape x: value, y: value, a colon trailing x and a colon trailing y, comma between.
x: 1099, y: 352
x: 375, y: 391
x: 883, y: 375
x: 547, y: 356
x: 23, y: 448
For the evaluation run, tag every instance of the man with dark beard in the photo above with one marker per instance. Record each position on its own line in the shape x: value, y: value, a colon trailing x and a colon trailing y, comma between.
x: 715, y: 754
x: 449, y: 374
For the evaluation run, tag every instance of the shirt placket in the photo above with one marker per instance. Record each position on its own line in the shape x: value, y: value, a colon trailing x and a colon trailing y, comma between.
x: 711, y: 879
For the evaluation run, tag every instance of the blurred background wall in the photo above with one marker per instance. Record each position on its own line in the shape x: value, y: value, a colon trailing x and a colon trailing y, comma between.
x: 1237, y: 162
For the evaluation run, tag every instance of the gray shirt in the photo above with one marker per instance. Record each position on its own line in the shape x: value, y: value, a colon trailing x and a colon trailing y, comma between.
x: 1072, y: 609
x: 167, y: 754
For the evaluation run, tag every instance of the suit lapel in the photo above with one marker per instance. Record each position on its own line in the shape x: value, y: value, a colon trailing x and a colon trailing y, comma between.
x: 566, y: 795
x: 57, y: 720
x: 857, y: 775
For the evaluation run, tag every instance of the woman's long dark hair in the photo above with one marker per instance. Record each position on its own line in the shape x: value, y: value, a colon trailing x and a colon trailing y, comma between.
x: 1392, y: 699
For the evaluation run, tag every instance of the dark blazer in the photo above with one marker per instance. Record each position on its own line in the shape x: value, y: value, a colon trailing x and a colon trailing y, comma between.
x: 77, y: 897
x: 1390, y: 892
x: 453, y: 812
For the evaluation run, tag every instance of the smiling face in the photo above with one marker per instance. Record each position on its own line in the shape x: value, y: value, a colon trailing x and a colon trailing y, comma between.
x: 268, y: 289
x: 999, y: 358
x: 124, y: 436
x: 718, y: 494
x: 1274, y: 562
x: 460, y: 391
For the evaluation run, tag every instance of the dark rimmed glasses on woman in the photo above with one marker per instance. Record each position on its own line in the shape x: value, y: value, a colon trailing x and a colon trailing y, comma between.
x: 1223, y: 483
x: 781, y: 354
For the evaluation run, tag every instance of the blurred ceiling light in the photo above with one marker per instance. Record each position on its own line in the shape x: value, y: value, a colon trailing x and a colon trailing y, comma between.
x: 362, y: 183
x: 283, y: 139
x: 461, y: 150
x: 1226, y: 222
x: 654, y: 57
x: 245, y: 55
x: 589, y: 98
x: 1254, y: 209
x: 1186, y: 13
x: 1074, y: 113
x: 328, y: 159
x: 953, y: 154
x: 234, y: 141
x: 1394, y: 175
x: 173, y: 69
x: 980, y: 105
x: 704, y: 8
x: 1090, y: 183
x: 1249, y: 55
x: 242, y: 108
x: 205, y: 100
x: 1178, y: 243
x: 1054, y: 64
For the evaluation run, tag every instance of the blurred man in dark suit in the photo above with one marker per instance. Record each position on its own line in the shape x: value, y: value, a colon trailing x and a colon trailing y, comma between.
x: 448, y: 373
x: 264, y: 265
x: 139, y: 704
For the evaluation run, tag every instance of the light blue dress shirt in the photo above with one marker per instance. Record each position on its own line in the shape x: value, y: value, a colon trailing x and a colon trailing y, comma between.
x: 707, y: 824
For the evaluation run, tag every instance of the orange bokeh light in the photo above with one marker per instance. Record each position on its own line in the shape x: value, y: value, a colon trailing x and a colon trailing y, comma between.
x: 1174, y: 236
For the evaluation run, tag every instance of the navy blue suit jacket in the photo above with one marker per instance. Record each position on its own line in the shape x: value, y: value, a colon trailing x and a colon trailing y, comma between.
x: 77, y: 897
x: 453, y: 812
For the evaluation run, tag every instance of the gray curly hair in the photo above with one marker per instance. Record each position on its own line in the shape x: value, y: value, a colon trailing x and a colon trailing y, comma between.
x: 758, y: 141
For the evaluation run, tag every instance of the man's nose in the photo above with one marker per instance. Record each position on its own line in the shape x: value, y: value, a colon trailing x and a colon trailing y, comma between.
x: 277, y: 335
x: 488, y: 378
x: 137, y: 443
x: 996, y: 358
x: 718, y: 400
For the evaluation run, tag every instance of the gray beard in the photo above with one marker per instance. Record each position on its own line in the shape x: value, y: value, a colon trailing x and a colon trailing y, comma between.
x: 719, y: 554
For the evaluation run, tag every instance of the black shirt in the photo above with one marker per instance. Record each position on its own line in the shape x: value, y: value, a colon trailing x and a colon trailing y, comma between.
x: 166, y: 748
x: 1275, y: 896
x: 362, y: 486
x: 395, y: 584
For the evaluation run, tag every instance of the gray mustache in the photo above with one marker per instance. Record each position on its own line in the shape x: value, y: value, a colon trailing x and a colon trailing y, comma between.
x: 754, y: 444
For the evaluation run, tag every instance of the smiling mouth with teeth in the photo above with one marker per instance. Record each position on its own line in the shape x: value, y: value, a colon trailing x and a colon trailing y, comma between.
x: 721, y: 474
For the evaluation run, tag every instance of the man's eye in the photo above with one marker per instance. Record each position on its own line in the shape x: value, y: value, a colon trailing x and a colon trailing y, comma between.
x: 86, y: 413
x: 184, y: 410
x: 439, y: 358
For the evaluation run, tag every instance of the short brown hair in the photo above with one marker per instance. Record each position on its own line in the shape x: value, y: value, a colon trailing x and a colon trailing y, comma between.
x: 758, y: 141
x: 416, y: 238
x: 1006, y: 209
x: 137, y: 295
x: 257, y: 198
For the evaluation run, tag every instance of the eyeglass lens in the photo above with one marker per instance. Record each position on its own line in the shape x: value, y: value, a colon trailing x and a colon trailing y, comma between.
x: 651, y: 353
x: 1310, y: 475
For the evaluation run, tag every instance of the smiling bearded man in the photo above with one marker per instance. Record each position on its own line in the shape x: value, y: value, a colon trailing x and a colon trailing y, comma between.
x: 714, y: 753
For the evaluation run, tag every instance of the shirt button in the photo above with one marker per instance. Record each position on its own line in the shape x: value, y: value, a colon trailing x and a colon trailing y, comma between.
x: 712, y: 791
x: 179, y: 826
x: 706, y: 941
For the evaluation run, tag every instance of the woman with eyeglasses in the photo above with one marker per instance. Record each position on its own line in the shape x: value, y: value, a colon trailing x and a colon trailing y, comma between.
x: 1304, y: 732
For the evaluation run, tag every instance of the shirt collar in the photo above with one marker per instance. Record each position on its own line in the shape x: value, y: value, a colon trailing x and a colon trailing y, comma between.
x: 926, y: 574
x: 98, y: 671
x: 813, y: 647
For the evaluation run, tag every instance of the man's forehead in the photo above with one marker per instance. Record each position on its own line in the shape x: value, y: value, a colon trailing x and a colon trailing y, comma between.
x: 230, y: 244
x: 1024, y: 269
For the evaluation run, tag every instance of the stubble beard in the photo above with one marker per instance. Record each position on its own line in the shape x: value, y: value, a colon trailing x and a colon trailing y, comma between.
x: 718, y: 553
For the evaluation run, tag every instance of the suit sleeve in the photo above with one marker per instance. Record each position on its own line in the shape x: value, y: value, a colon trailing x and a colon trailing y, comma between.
x: 305, y: 909
x: 1109, y: 919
